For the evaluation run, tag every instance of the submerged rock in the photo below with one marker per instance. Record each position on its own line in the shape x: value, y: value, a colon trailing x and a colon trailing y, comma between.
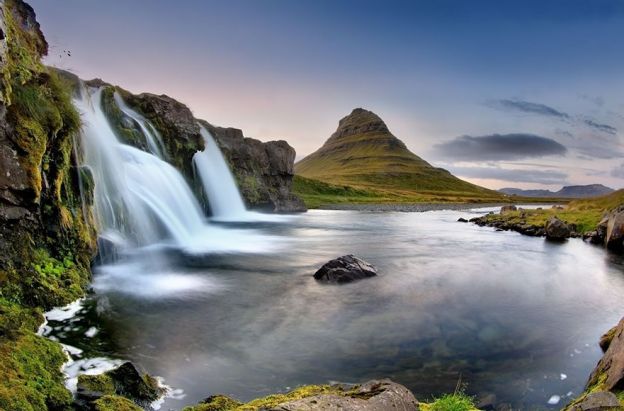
x: 557, y: 229
x: 597, y: 401
x: 375, y: 395
x: 462, y: 220
x: 344, y: 270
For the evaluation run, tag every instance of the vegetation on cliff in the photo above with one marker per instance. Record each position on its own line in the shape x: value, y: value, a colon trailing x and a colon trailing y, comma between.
x: 46, y: 235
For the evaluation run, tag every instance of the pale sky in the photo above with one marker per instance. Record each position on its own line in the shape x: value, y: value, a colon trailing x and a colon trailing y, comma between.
x: 524, y: 94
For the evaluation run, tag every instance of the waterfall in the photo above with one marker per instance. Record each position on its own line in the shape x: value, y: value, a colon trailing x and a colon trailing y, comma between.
x: 152, y: 137
x: 218, y: 182
x: 138, y: 196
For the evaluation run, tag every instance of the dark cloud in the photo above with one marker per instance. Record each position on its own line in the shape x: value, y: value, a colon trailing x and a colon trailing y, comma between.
x: 618, y: 171
x: 605, y: 128
x: 496, y: 147
x: 600, y: 151
x: 513, y: 175
x: 528, y: 107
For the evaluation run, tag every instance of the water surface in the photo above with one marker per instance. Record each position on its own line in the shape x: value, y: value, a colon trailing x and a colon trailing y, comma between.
x: 507, y: 314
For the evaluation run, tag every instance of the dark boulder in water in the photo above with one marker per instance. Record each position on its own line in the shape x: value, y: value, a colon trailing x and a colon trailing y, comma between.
x: 345, y: 269
x: 557, y: 229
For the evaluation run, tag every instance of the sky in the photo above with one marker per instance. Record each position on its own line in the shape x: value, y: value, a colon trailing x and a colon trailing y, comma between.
x: 503, y: 93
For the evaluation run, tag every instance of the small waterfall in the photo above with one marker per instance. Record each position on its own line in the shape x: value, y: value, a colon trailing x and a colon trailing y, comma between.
x: 152, y: 136
x: 218, y: 182
x: 138, y: 196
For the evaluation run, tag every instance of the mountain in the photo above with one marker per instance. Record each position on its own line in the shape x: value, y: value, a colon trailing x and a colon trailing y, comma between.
x: 590, y: 190
x: 363, y: 153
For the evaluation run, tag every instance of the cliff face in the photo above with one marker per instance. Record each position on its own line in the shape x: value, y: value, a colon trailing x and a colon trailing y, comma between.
x: 46, y: 234
x: 263, y: 171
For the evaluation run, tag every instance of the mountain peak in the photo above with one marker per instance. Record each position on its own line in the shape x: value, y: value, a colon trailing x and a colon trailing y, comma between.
x: 360, y: 121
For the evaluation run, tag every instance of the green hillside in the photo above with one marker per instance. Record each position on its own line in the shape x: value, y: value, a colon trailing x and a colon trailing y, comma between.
x: 365, y: 155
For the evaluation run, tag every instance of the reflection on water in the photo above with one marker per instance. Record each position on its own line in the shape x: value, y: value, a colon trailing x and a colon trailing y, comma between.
x: 508, y: 314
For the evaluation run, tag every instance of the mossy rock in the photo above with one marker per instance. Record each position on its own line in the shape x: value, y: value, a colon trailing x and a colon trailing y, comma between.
x: 115, y: 403
x: 216, y: 403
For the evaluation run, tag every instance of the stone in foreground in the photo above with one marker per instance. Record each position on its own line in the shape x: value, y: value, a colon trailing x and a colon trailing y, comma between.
x: 557, y: 229
x: 345, y: 269
x: 376, y: 395
x: 598, y: 401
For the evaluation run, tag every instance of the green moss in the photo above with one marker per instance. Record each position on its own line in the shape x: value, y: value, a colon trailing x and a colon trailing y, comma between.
x: 115, y: 403
x: 215, y: 403
x: 29, y: 374
x: 101, y: 383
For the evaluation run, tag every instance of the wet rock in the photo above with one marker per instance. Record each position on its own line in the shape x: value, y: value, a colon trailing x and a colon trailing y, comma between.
x: 487, y: 402
x: 376, y: 395
x: 508, y: 208
x: 345, y: 269
x: 557, y: 229
x: 597, y: 401
x: 606, y: 338
x: 462, y: 220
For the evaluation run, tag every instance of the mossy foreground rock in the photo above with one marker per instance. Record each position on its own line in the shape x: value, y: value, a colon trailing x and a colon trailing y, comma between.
x: 375, y: 395
x: 124, y: 381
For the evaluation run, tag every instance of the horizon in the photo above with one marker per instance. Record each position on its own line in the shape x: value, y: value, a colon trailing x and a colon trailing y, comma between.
x: 533, y: 91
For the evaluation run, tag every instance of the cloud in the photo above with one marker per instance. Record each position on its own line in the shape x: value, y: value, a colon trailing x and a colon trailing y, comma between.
x: 605, y: 128
x: 618, y: 172
x: 513, y: 175
x: 548, y: 111
x: 528, y: 107
x: 496, y: 147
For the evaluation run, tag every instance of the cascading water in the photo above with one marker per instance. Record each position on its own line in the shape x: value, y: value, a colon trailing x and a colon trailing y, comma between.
x: 141, y: 200
x: 218, y: 182
x: 152, y: 137
x: 138, y: 196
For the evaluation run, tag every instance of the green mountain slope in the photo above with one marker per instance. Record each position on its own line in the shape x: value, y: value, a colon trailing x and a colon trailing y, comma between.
x: 363, y: 153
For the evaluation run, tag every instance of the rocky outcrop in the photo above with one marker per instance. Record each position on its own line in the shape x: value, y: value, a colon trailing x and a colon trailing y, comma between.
x: 557, y: 230
x: 345, y: 269
x: 508, y: 208
x: 376, y: 395
x: 610, y: 231
x: 264, y: 171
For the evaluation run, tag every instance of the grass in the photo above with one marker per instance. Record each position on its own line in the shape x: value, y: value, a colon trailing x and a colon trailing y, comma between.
x: 585, y: 214
x: 452, y: 402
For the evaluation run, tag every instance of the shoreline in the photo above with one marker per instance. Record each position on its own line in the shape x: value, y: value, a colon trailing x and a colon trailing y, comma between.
x: 413, y: 207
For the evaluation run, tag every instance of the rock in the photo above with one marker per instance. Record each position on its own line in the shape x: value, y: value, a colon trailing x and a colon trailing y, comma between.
x: 597, y: 401
x: 614, y: 237
x: 508, y: 208
x: 344, y: 270
x: 462, y: 220
x: 216, y: 403
x: 557, y: 207
x: 557, y: 229
x: 376, y: 395
x: 609, y: 373
x: 606, y: 338
x: 124, y: 380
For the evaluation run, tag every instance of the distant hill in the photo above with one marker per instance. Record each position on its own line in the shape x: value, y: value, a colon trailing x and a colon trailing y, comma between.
x: 591, y: 190
x: 364, y: 154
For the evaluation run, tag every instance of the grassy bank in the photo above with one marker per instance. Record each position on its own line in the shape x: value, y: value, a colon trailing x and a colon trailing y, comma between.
x: 316, y: 194
x: 584, y: 214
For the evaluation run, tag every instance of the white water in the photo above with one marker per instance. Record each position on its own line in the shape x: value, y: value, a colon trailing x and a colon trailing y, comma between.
x: 141, y: 200
x: 218, y: 182
x: 152, y: 137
